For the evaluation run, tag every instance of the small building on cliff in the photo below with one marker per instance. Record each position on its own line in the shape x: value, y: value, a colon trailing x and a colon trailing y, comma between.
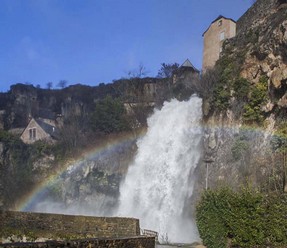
x: 220, y: 29
x: 38, y: 129
x: 223, y: 28
x: 186, y: 70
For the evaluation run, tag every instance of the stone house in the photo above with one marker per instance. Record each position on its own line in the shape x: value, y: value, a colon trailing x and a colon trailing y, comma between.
x: 39, y: 129
x: 219, y: 30
x: 223, y: 28
x: 185, y: 71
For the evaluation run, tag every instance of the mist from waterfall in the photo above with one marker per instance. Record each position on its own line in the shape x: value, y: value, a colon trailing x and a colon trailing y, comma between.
x: 159, y: 183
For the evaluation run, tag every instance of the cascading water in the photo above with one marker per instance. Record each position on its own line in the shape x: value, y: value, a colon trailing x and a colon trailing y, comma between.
x: 159, y: 182
x: 158, y: 185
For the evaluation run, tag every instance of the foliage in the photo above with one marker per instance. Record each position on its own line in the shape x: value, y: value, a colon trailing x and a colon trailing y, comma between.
x: 18, y: 170
x: 258, y: 97
x: 246, y: 218
x: 241, y: 88
x: 226, y: 70
x: 167, y: 70
x: 7, y: 137
x: 62, y: 84
x: 49, y: 85
x: 109, y: 116
x: 279, y: 140
x: 221, y: 97
x: 18, y: 163
x: 205, y: 85
x: 239, y: 147
x: 181, y: 92
x: 211, y: 224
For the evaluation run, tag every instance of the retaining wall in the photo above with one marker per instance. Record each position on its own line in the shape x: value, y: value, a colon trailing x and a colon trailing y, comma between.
x: 26, y: 226
x: 134, y: 242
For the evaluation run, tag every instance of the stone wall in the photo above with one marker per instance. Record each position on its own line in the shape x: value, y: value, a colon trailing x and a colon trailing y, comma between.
x: 25, y: 226
x: 255, y: 15
x: 134, y: 242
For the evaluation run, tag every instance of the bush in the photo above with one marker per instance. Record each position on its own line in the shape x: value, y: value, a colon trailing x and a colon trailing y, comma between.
x: 109, y: 116
x: 258, y: 97
x: 239, y: 148
x: 246, y: 218
x: 241, y: 88
x: 222, y: 90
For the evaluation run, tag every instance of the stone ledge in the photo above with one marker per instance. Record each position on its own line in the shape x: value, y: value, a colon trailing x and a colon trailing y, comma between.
x: 127, y: 242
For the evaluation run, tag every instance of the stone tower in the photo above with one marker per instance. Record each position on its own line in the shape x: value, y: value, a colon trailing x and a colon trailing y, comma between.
x: 220, y: 29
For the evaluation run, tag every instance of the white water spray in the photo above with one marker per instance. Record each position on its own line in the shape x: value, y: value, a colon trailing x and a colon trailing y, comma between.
x: 159, y: 182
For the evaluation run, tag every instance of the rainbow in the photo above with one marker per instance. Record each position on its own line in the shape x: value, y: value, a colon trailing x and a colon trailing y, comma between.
x: 40, y: 190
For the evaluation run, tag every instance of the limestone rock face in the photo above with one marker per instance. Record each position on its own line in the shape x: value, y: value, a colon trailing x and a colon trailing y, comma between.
x: 283, y: 101
x: 243, y: 153
x: 266, y: 52
x: 278, y: 76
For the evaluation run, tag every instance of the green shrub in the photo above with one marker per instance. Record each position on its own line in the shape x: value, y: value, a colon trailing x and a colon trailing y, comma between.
x: 221, y: 97
x: 279, y: 140
x: 227, y: 72
x: 241, y: 88
x: 109, y: 116
x: 258, y: 97
x: 238, y: 148
x: 211, y: 214
x: 246, y: 218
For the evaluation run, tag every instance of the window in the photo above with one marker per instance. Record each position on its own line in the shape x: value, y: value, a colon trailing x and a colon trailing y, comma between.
x: 32, y: 133
x: 222, y: 36
x: 219, y: 23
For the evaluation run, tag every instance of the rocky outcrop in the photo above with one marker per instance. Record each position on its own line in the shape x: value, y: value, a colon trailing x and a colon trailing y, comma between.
x: 89, y: 185
x: 236, y: 151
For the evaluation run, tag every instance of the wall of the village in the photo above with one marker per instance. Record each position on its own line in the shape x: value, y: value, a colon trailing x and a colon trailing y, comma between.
x: 25, y: 226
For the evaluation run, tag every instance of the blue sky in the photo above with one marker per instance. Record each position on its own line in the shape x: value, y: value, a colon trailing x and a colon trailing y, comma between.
x: 94, y: 41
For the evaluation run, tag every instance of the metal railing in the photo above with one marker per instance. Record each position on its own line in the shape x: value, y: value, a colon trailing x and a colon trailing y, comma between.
x: 150, y: 233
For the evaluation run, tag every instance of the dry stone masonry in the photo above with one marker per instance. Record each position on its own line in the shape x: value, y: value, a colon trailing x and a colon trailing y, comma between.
x: 25, y: 226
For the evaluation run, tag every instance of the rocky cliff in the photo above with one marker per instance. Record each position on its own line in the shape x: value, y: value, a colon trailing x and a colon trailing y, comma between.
x: 80, y: 115
x: 246, y: 110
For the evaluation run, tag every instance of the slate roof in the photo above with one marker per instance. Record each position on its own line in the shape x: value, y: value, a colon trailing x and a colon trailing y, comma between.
x: 51, y: 130
x: 187, y: 63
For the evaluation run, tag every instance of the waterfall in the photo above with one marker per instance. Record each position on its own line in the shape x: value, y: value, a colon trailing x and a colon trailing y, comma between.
x: 159, y: 182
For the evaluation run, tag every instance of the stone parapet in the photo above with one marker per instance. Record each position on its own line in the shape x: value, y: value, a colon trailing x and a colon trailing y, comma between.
x: 26, y: 226
x: 133, y: 242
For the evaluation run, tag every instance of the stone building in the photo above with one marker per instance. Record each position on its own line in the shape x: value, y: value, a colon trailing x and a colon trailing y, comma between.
x: 185, y: 71
x: 220, y: 29
x: 223, y: 28
x: 38, y: 129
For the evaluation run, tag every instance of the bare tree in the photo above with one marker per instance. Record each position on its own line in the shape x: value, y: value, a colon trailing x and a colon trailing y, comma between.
x: 167, y: 70
x: 49, y: 85
x: 62, y: 84
x: 204, y: 85
x: 140, y: 72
